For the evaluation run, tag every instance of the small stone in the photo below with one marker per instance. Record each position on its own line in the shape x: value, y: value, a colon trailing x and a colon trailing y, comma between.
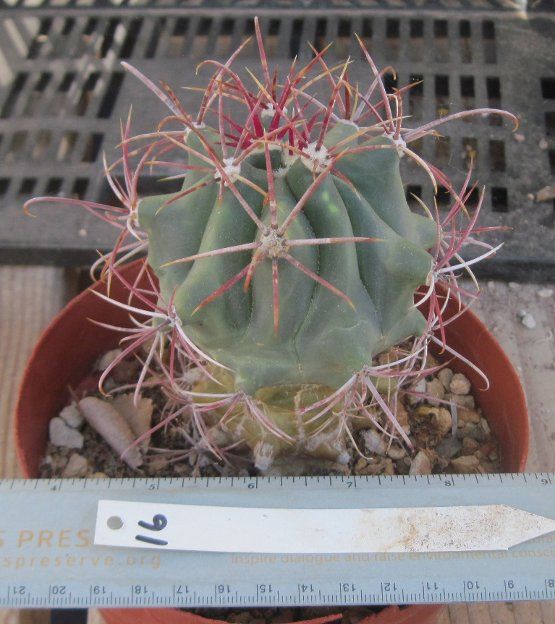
x: 389, y: 467
x: 360, y: 465
x: 420, y: 464
x: 469, y: 446
x: 61, y: 434
x: 157, y: 463
x: 468, y: 416
x: 459, y: 384
x: 76, y: 467
x: 99, y: 475
x: 467, y: 464
x: 545, y: 293
x: 445, y: 375
x: 106, y: 359
x: 443, y: 421
x: 374, y: 442
x: 419, y: 387
x: 473, y: 431
x: 527, y: 319
x: 466, y: 401
x: 543, y: 144
x: 485, y: 426
x: 547, y: 193
x: 182, y: 470
x: 448, y: 447
x: 519, y: 137
x: 435, y: 389
x: 72, y: 416
x: 396, y: 452
x: 402, y: 415
x: 514, y: 285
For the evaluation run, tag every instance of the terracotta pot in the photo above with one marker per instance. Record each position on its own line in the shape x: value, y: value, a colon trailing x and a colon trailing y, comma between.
x: 69, y: 346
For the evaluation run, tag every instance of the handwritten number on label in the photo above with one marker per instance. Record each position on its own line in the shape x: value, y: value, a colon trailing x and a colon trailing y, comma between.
x: 159, y: 522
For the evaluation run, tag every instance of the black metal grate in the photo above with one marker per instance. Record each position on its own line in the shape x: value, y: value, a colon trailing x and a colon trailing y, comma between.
x: 65, y: 92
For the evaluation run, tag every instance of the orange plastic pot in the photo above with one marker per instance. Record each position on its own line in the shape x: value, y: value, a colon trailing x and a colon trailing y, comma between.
x: 66, y: 351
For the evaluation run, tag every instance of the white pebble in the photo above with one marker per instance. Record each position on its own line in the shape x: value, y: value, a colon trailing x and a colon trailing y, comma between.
x: 72, y: 416
x: 396, y: 452
x: 61, y: 434
x: 543, y: 144
x: 445, y: 375
x: 76, y: 467
x: 420, y: 465
x: 459, y: 384
x: 527, y: 319
x: 374, y: 442
x: 545, y: 293
x: 105, y: 360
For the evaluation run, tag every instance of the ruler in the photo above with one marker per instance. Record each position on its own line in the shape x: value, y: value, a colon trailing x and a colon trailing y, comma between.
x: 49, y: 558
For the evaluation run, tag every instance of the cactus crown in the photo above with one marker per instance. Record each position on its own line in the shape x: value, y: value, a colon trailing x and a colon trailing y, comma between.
x: 289, y: 259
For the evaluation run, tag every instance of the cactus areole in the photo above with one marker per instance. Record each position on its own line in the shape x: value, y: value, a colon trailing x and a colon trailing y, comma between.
x: 289, y: 260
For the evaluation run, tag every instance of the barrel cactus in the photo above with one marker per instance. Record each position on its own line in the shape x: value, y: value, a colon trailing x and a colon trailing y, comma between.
x: 289, y: 260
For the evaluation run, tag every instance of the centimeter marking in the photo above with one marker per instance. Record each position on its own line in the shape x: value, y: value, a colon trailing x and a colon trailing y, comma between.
x: 70, y: 595
x: 47, y: 558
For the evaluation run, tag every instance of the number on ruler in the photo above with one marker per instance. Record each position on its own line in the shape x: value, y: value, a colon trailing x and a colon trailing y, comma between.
x: 98, y: 590
x: 181, y: 589
x: 139, y: 590
x: 223, y: 589
x: 58, y: 590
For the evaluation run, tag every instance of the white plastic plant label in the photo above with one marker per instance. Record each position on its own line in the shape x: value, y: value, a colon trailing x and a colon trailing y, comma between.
x: 268, y: 530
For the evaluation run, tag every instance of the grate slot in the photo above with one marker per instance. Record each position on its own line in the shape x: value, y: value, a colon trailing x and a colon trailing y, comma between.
x: 441, y: 47
x: 111, y: 93
x: 92, y: 147
x: 489, y: 44
x: 465, y: 43
x: 548, y: 88
x: 497, y: 156
x: 499, y: 199
x: 40, y: 39
x: 13, y: 94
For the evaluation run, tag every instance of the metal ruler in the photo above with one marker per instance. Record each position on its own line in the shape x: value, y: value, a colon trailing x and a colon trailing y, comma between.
x: 48, y: 555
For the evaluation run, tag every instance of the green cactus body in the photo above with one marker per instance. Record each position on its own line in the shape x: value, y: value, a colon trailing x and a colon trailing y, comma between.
x: 321, y: 339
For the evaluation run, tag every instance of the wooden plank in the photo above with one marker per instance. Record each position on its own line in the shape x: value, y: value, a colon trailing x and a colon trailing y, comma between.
x: 502, y: 613
x: 29, y: 298
x: 528, y: 612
